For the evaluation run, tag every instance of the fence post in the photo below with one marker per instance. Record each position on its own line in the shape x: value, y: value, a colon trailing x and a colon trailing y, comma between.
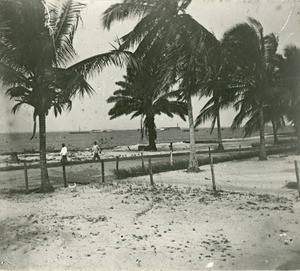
x: 26, y: 176
x: 212, y: 173
x: 117, y: 163
x: 297, y: 176
x: 171, y: 158
x: 102, y: 171
x: 143, y: 164
x: 64, y: 173
x: 150, y: 172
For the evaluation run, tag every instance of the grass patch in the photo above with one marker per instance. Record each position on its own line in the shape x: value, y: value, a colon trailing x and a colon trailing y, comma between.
x: 156, y: 168
x: 291, y: 185
x: 183, y: 164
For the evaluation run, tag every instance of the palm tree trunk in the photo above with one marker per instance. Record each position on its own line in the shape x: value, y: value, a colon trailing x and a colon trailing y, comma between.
x: 142, y: 128
x: 45, y: 184
x: 193, y: 162
x: 150, y: 124
x: 262, y: 152
x: 220, y: 143
x: 275, y: 132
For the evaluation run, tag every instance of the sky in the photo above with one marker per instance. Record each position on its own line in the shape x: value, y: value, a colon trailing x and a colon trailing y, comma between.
x: 279, y: 16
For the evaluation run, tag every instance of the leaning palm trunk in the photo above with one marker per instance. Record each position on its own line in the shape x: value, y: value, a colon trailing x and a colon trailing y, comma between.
x: 262, y: 152
x: 275, y: 132
x: 193, y: 162
x: 45, y: 184
x: 220, y: 143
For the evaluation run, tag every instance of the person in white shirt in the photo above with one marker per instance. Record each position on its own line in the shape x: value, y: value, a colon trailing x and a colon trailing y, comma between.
x: 63, y: 153
x: 95, y: 151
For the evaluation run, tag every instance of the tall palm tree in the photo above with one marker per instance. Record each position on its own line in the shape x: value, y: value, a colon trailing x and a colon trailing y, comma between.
x: 291, y: 78
x: 251, y: 56
x: 221, y: 89
x: 32, y: 55
x: 276, y: 107
x: 140, y: 95
x: 275, y: 102
x: 211, y: 110
x: 35, y: 48
x: 183, y: 45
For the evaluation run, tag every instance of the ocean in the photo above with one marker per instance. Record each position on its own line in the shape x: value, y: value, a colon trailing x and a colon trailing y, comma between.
x: 20, y: 142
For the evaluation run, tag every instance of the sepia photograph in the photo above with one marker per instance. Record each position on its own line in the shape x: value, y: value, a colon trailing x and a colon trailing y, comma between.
x: 149, y: 135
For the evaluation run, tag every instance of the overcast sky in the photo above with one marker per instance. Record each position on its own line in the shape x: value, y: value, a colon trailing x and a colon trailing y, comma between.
x: 279, y: 16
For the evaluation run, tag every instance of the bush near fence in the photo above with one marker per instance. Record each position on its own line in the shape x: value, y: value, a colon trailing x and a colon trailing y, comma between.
x: 183, y: 164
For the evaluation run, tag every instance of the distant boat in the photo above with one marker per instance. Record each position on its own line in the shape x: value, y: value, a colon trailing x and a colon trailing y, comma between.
x: 79, y: 132
x: 169, y: 128
x: 108, y: 130
x: 96, y: 131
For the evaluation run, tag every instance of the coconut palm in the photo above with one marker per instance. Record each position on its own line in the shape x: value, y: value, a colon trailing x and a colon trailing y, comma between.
x: 251, y: 56
x: 291, y: 82
x: 140, y: 95
x: 211, y: 110
x: 183, y: 45
x: 35, y: 47
x: 33, y: 52
x: 275, y: 102
x: 222, y: 91
x: 276, y: 109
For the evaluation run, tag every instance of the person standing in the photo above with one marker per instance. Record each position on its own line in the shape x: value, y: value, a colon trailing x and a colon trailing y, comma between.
x: 96, y: 151
x: 171, y: 147
x: 63, y: 153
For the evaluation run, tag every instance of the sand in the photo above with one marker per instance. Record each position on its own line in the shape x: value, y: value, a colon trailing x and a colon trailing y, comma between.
x: 252, y: 222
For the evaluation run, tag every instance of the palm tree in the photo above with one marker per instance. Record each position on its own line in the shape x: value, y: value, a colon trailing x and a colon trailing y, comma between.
x: 291, y: 79
x: 140, y: 95
x: 276, y: 107
x: 221, y: 89
x: 33, y: 52
x: 211, y: 110
x: 183, y: 43
x: 251, y: 57
x: 35, y: 47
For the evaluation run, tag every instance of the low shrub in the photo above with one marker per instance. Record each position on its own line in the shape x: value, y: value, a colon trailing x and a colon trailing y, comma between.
x: 183, y: 164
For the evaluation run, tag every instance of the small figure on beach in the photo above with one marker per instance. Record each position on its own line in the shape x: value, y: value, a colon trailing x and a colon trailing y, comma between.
x: 63, y: 153
x: 96, y: 151
x: 171, y: 146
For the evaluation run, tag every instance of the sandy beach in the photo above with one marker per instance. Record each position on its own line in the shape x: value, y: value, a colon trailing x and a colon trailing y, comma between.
x: 252, y: 222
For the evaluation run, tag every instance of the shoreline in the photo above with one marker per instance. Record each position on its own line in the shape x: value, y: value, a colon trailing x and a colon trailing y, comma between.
x: 8, y: 161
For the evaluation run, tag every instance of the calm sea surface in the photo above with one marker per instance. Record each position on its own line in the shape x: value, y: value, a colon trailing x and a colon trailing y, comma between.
x: 20, y: 142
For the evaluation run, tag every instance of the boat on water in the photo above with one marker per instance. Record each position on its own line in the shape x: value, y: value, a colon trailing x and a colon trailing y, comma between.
x: 97, y: 131
x: 169, y: 128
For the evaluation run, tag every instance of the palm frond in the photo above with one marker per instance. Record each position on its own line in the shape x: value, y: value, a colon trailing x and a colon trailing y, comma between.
x: 208, y: 112
x: 120, y: 12
x: 10, y: 76
x: 64, y: 29
x: 16, y: 107
x: 94, y: 65
x: 17, y: 92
